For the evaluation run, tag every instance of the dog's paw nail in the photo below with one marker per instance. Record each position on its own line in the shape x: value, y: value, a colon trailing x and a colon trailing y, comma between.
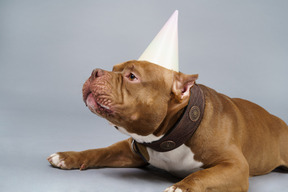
x: 50, y: 157
x: 83, y: 167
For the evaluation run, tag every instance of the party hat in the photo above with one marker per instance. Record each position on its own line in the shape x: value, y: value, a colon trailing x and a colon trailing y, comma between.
x: 163, y: 50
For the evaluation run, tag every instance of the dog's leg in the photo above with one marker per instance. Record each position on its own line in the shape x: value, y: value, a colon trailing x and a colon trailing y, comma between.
x: 231, y: 175
x: 117, y: 155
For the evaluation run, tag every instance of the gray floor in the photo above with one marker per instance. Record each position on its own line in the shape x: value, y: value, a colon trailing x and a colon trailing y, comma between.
x: 49, y: 48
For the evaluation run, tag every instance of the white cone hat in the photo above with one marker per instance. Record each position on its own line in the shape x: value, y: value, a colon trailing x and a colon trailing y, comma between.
x: 163, y: 50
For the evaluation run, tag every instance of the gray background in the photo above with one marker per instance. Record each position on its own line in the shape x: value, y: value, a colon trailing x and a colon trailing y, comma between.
x: 48, y: 49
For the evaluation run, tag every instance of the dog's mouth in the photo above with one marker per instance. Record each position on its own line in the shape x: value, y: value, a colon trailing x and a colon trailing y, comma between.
x: 98, y: 105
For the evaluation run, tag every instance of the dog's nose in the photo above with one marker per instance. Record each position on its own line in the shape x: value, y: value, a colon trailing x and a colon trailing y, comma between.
x: 97, y: 73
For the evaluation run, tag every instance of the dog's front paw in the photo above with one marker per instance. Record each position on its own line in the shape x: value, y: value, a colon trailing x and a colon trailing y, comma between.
x: 185, y: 187
x: 67, y: 160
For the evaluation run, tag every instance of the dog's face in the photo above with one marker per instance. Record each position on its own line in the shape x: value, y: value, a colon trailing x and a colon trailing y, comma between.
x: 136, y: 95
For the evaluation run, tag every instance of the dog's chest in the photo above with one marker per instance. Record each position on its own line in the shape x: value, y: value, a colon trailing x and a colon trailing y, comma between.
x: 179, y: 161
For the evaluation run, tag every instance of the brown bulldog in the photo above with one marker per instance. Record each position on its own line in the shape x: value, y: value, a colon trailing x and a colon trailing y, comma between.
x: 190, y: 130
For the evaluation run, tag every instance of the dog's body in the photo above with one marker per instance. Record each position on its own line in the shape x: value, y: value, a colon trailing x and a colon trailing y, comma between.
x: 235, y: 139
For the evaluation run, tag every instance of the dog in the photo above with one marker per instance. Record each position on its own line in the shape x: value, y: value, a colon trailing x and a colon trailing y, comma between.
x: 214, y: 142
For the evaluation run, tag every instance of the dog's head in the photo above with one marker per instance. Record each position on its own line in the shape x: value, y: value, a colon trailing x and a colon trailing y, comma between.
x: 137, y: 95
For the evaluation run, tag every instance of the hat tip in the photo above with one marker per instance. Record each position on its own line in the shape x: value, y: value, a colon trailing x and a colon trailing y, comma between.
x: 163, y: 50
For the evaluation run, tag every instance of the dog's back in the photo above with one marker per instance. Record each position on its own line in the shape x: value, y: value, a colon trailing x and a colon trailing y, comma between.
x: 262, y: 137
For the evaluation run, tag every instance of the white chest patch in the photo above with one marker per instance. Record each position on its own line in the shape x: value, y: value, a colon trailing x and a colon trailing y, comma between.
x: 179, y: 161
x: 139, y: 138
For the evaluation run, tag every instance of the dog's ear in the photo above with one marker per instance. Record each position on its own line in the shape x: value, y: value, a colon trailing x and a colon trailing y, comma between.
x: 182, y: 84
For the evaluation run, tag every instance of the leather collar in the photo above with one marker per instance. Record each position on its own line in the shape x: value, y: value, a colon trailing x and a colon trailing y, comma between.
x: 186, y: 125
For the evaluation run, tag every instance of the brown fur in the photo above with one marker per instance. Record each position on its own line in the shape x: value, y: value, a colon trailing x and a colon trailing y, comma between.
x: 236, y: 138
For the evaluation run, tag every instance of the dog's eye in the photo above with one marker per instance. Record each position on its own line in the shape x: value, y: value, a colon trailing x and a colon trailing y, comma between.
x: 132, y: 77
